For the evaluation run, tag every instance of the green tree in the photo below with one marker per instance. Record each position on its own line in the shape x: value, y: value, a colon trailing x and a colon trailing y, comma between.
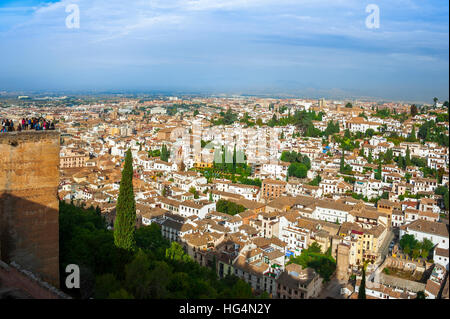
x: 446, y: 201
x: 408, y: 177
x: 408, y: 243
x: 298, y: 170
x: 314, y: 248
x: 401, y: 162
x: 176, y: 252
x: 158, y: 280
x: 165, y: 154
x: 315, y: 181
x: 435, y: 100
x: 194, y: 191
x: 120, y: 294
x: 347, y: 134
x: 412, y: 135
x: 425, y: 248
x: 242, y: 290
x: 331, y: 129
x: 146, y: 272
x: 150, y: 238
x: 228, y: 207
x: 415, y: 253
x: 137, y: 275
x: 124, y: 225
x: 264, y: 295
x: 408, y: 157
x: 312, y: 257
x: 388, y: 157
x: 105, y: 285
x: 307, y: 162
x: 369, y: 132
x: 420, y: 295
x: 378, y: 174
x: 259, y: 122
x: 413, y: 110
x: 342, y: 163
x: 362, y: 286
x: 370, y: 158
x: 155, y: 153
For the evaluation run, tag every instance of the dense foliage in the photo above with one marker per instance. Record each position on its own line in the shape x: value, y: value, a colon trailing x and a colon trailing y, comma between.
x: 249, y: 181
x: 348, y: 142
x: 315, y: 181
x: 228, y: 207
x: 323, y: 264
x: 331, y: 129
x: 301, y: 119
x: 154, y: 153
x: 226, y: 118
x: 156, y: 269
x: 430, y: 132
x: 298, y: 170
x: 194, y: 192
x: 232, y: 162
x: 414, y: 248
x: 300, y: 164
x: 442, y: 190
x: 344, y: 168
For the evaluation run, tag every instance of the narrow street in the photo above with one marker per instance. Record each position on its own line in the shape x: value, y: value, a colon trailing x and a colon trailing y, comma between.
x: 384, y: 251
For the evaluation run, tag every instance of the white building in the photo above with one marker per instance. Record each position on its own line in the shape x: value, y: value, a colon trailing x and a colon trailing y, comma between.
x: 199, y: 208
x: 331, y: 211
x: 437, y: 233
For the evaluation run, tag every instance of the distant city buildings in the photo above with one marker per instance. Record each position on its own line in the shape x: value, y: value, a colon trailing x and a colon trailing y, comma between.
x: 209, y: 172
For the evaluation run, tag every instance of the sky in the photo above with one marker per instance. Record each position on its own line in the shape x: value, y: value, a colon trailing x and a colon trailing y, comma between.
x: 309, y: 48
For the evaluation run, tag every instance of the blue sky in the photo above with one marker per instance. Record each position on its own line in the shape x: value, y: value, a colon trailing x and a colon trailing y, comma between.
x: 305, y: 47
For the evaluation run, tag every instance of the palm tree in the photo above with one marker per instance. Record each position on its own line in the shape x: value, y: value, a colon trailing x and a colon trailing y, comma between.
x: 435, y: 100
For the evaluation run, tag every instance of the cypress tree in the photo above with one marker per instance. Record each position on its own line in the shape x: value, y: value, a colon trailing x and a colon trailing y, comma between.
x: 124, y: 224
x: 223, y: 159
x: 378, y: 174
x: 234, y: 159
x: 412, y: 136
x: 408, y: 156
x: 164, y: 153
x: 362, y: 286
x: 401, y: 162
x: 388, y: 156
x: 342, y: 164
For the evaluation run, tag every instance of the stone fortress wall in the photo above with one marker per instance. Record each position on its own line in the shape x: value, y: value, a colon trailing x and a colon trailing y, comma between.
x: 29, y: 177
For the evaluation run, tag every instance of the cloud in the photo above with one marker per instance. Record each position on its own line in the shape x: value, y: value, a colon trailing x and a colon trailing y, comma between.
x: 270, y: 42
